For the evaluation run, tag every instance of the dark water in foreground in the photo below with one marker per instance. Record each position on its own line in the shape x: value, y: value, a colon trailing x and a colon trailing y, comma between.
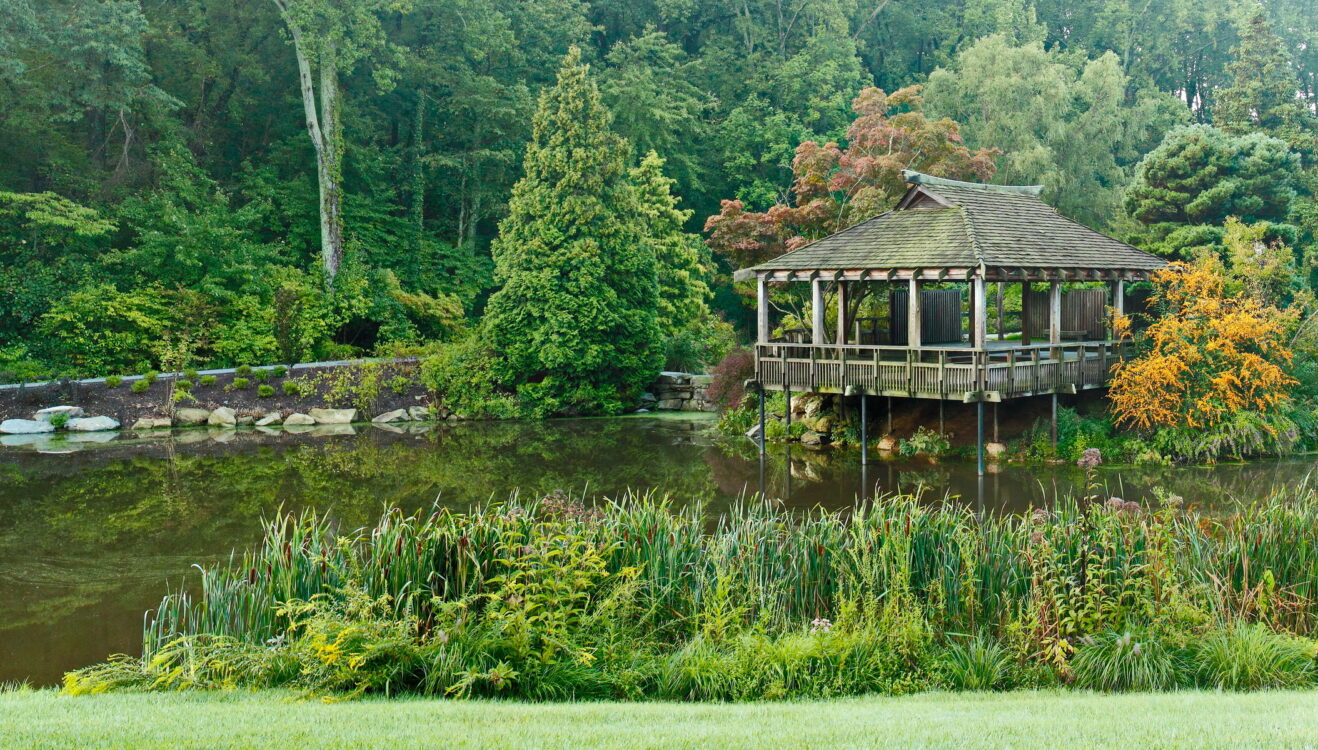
x: 92, y: 535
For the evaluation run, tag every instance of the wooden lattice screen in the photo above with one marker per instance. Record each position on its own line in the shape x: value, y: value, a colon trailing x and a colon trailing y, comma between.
x: 940, y: 316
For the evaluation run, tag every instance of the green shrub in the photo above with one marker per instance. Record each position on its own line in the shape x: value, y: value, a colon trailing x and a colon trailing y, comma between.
x: 58, y: 420
x: 399, y: 384
x: 294, y: 388
x: 183, y: 385
x: 140, y: 386
x: 980, y: 663
x: 925, y: 442
x: 208, y: 380
x: 261, y: 375
x: 243, y: 370
x: 1252, y: 657
x: 151, y: 376
x: 190, y: 374
x: 240, y: 383
x: 280, y: 371
x: 113, y: 381
x: 1125, y: 661
x: 265, y: 391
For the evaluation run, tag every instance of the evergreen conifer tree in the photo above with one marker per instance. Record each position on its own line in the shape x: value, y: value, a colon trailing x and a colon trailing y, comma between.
x: 1263, y: 95
x: 682, y: 260
x: 573, y: 324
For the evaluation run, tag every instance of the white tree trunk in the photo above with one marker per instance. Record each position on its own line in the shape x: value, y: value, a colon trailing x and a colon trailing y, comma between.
x: 323, y: 127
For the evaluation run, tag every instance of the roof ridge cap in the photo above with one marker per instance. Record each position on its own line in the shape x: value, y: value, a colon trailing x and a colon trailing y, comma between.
x: 920, y: 178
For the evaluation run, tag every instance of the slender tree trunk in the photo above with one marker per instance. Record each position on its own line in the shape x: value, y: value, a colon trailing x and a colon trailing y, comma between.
x: 323, y: 127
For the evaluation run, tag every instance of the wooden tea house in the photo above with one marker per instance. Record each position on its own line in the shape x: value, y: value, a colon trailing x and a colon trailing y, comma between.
x: 929, y: 274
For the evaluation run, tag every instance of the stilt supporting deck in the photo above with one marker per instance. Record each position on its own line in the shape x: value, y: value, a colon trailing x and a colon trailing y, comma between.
x: 979, y: 436
x: 889, y: 431
x: 787, y: 413
x: 1054, y: 420
x: 762, y: 435
x: 864, y: 434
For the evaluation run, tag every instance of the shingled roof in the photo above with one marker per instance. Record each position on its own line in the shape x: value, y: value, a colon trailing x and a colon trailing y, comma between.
x: 949, y: 224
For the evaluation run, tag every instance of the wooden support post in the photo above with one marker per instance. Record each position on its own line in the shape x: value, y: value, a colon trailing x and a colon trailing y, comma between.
x: 762, y: 309
x: 1002, y: 331
x: 1025, y: 313
x: 995, y: 423
x: 979, y: 313
x: 1118, y: 304
x: 889, y: 431
x: 841, y: 313
x: 913, y: 338
x: 1054, y: 312
x: 817, y: 311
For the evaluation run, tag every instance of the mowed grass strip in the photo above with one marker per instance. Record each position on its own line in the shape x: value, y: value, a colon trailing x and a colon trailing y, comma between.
x: 1199, y: 720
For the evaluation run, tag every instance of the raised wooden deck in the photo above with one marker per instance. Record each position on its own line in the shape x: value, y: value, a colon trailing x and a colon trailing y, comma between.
x: 1000, y: 371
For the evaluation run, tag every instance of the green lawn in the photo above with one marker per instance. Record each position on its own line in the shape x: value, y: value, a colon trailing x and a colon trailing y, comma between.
x: 1050, y: 720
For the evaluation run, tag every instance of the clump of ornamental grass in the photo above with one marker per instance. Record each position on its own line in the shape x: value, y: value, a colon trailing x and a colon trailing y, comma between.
x: 113, y: 381
x: 1129, y: 660
x: 1253, y: 657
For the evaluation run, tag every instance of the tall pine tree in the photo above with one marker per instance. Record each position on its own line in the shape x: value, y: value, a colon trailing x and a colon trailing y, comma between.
x: 574, y: 323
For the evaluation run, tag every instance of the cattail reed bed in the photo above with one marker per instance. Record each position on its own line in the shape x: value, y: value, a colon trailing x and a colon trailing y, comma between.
x: 637, y: 597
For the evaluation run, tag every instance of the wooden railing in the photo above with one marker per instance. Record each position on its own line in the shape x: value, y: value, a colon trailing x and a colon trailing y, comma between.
x: 956, y: 373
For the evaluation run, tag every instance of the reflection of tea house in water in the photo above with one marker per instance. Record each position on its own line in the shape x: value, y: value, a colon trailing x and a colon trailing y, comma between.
x: 922, y: 273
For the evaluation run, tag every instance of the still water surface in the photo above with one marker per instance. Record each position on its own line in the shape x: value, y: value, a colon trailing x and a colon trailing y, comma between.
x: 92, y: 535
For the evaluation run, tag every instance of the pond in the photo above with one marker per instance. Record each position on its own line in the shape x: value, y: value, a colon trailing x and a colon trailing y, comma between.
x: 91, y: 536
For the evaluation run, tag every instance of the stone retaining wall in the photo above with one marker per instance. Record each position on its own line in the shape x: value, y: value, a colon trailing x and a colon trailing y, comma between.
x: 680, y: 391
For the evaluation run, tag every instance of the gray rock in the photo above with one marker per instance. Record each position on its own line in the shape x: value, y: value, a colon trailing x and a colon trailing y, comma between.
x: 641, y: 411
x: 189, y: 417
x: 673, y: 378
x: 222, y: 417
x: 298, y: 419
x: 702, y: 381
x: 333, y: 416
x: 887, y: 443
x: 995, y: 450
x: 669, y: 404
x: 810, y: 437
x: 246, y: 419
x: 419, y: 413
x: 648, y: 398
x: 25, y: 426
x: 151, y: 423
x: 269, y: 419
x: 388, y: 428
x: 754, y: 432
x: 299, y: 428
x: 91, y: 424
x: 44, y: 415
x: 397, y: 415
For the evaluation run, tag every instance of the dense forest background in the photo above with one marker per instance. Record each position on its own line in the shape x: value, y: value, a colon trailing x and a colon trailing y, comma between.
x: 160, y: 192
